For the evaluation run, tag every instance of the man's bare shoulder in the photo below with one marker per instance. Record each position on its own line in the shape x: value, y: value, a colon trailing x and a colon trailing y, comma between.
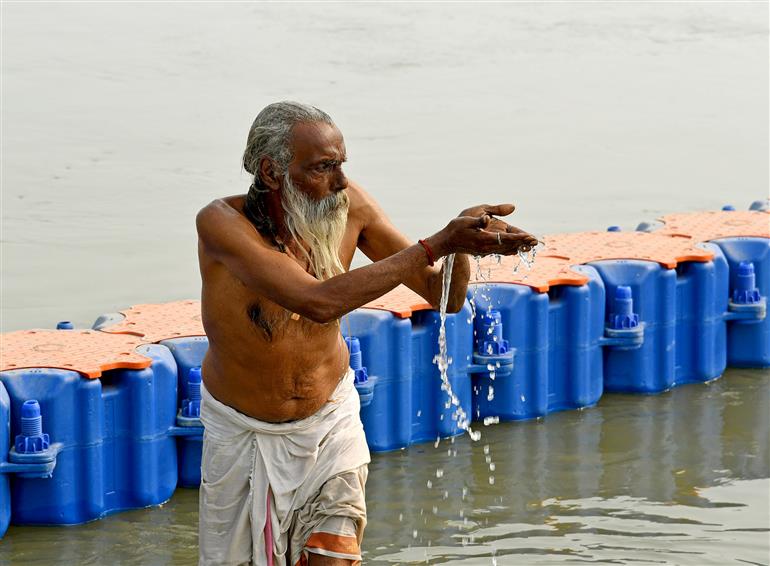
x: 223, y: 206
x: 363, y: 207
x: 222, y: 220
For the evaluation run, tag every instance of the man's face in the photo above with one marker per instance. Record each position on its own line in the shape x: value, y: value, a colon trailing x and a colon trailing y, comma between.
x: 319, y: 152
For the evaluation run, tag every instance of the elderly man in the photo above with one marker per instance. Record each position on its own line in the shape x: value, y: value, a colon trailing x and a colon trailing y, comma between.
x: 284, y: 453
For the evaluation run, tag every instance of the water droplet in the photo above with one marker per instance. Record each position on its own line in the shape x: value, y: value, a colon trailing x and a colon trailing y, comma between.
x: 429, y: 484
x: 439, y: 473
x: 491, y: 480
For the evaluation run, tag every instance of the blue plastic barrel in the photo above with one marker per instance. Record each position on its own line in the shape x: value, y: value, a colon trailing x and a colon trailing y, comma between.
x: 522, y: 394
x: 5, y: 435
x: 408, y: 403
x: 558, y: 352
x: 188, y: 353
x: 748, y: 339
x: 650, y: 367
x: 386, y: 344
x: 116, y: 449
x: 701, y: 302
x: 434, y: 414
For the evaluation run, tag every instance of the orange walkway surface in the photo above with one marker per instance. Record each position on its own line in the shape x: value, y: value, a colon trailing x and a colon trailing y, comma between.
x: 156, y: 322
x: 401, y: 301
x: 585, y: 247
x: 707, y: 226
x: 545, y: 273
x: 88, y: 352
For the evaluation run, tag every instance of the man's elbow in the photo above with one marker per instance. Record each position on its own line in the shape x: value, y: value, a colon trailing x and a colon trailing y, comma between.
x: 320, y: 311
x: 455, y: 306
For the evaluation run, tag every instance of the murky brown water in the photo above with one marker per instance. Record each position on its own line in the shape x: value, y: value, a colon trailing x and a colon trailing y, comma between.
x: 679, y: 478
x: 120, y: 120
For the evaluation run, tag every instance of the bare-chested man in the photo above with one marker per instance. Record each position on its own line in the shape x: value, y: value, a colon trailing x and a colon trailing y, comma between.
x: 284, y: 453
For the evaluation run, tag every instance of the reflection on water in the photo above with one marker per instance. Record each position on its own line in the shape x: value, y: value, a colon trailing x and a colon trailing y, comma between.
x: 677, y: 478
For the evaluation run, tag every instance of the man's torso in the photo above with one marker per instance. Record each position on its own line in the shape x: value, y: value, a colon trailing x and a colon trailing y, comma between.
x: 264, y: 361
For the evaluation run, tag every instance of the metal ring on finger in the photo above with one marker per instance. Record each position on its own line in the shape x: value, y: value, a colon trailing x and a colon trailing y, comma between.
x: 499, y: 240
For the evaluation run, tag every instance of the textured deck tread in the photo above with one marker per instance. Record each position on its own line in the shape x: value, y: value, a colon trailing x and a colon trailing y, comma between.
x: 163, y: 321
x: 713, y: 225
x: 586, y: 247
x: 88, y: 352
x: 544, y: 274
x: 401, y: 301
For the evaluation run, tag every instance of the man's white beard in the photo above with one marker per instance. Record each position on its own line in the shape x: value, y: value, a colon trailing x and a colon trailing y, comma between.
x: 319, y: 224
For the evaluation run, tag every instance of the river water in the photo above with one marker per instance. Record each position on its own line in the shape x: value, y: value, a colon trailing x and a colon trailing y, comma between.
x: 120, y: 120
x: 678, y: 478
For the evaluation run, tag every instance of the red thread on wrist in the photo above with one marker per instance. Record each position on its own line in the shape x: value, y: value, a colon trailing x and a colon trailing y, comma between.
x: 431, y: 256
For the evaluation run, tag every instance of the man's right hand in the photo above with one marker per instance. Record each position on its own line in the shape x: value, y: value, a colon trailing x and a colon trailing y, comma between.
x: 477, y: 231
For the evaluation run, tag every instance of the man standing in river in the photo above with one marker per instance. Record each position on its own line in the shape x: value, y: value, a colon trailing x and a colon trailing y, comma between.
x: 284, y: 454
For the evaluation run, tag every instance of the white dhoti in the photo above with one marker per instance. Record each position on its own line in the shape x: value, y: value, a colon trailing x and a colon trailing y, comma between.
x: 300, y: 484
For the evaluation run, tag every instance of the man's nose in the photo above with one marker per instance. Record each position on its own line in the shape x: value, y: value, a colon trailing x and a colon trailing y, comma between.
x: 340, y: 180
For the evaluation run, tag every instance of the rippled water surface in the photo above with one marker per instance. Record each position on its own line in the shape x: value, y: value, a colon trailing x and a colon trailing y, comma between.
x: 120, y: 120
x: 677, y: 478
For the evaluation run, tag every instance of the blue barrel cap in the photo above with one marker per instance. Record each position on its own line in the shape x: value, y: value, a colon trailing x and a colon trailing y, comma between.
x: 191, y: 407
x: 760, y: 205
x: 746, y: 292
x: 30, y: 409
x: 728, y: 207
x: 32, y: 439
x: 356, y: 359
x: 613, y: 229
x: 623, y: 315
x: 489, y: 334
x: 623, y: 292
x: 195, y: 375
x: 65, y: 325
x: 354, y: 344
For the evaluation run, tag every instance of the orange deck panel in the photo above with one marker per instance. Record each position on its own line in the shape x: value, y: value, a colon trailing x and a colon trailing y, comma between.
x: 545, y: 273
x: 401, y: 301
x: 156, y: 322
x: 585, y: 247
x: 88, y: 352
x: 707, y: 226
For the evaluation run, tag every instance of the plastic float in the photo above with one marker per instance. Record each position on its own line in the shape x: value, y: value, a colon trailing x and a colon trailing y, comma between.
x: 552, y: 317
x: 398, y: 337
x: 176, y: 327
x: 96, y: 421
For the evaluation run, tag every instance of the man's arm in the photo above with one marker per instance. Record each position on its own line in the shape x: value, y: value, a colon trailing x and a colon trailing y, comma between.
x: 228, y: 237
x: 380, y: 239
x: 231, y: 239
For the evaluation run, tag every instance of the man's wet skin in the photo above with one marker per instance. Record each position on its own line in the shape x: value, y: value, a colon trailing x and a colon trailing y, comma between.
x: 275, y: 348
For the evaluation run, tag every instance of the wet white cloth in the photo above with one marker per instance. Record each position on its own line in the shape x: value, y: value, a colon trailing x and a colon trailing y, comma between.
x: 244, y: 457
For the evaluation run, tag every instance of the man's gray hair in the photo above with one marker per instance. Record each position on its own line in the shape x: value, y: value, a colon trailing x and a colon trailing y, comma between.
x: 270, y: 134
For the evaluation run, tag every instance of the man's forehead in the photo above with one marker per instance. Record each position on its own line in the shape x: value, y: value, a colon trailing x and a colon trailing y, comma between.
x: 317, y: 140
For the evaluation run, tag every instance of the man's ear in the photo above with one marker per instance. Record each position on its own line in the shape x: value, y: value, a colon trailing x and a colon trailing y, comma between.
x: 268, y: 174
